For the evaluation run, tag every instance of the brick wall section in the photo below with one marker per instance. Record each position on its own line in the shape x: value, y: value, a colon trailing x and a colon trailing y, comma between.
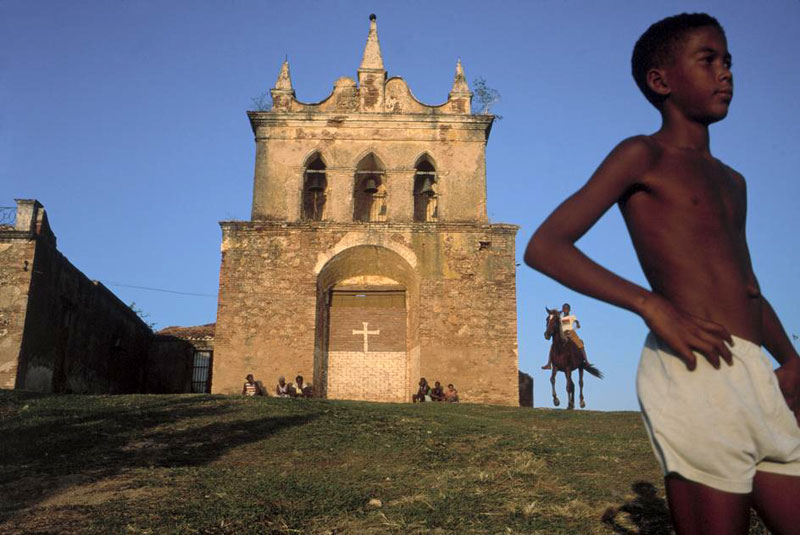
x: 390, y: 322
x: 77, y: 335
x: 373, y: 376
x: 461, y: 325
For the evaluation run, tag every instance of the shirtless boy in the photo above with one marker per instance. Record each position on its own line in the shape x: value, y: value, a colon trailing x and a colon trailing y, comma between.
x: 725, y: 436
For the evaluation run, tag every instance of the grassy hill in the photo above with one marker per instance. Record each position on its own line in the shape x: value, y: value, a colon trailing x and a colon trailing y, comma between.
x: 213, y: 464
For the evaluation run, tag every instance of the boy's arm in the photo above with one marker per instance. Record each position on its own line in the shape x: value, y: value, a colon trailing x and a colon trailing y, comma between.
x: 552, y: 251
x: 778, y: 344
x: 773, y: 335
x: 775, y: 338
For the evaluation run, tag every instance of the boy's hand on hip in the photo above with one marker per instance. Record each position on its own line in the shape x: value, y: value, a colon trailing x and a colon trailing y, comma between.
x: 685, y: 333
x: 789, y: 383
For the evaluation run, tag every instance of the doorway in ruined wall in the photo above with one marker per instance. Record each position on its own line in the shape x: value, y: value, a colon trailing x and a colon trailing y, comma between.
x: 365, y: 326
x: 367, y: 343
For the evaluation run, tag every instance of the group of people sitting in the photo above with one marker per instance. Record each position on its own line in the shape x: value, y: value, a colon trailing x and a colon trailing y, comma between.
x: 437, y: 393
x: 298, y: 389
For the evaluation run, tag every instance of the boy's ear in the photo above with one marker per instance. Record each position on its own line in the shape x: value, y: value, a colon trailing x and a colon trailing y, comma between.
x: 657, y: 82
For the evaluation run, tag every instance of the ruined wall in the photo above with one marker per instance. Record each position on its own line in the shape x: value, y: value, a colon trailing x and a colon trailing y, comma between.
x: 169, y: 365
x: 175, y: 361
x: 77, y: 335
x: 461, y: 315
x: 16, y: 261
x: 525, y: 390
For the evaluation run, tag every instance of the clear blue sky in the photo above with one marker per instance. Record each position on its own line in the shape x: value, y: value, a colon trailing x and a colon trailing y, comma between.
x: 127, y: 120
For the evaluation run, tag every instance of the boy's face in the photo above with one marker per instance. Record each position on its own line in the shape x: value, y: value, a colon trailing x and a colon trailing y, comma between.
x: 699, y: 79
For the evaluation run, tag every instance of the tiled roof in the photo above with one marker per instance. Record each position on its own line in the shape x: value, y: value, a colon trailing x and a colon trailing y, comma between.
x: 195, y: 332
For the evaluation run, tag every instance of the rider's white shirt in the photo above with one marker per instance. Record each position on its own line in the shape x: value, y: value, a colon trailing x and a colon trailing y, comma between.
x: 568, y: 323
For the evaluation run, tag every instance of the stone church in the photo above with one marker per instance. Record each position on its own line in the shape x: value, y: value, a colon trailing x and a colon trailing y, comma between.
x: 369, y: 260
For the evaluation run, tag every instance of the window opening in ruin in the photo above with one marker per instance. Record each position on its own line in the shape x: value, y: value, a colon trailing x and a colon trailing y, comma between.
x: 201, y: 372
x: 315, y: 184
x: 369, y: 194
x: 425, y: 198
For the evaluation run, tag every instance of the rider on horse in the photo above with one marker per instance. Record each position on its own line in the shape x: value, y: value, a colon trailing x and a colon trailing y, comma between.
x: 568, y: 325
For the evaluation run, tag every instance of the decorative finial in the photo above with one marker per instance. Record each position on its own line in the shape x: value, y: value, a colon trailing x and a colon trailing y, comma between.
x: 284, y: 81
x: 460, y: 85
x: 372, y: 52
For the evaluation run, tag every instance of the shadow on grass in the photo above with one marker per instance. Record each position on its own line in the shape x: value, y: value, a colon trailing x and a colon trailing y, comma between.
x: 47, y: 450
x: 646, y: 511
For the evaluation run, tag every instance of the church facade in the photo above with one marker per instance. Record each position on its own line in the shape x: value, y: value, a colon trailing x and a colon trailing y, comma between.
x: 369, y: 260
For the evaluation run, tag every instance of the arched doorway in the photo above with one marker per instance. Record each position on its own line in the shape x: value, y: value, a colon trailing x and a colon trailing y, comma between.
x: 366, y: 344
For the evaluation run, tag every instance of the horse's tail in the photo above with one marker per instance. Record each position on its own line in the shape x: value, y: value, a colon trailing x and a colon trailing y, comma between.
x: 591, y: 369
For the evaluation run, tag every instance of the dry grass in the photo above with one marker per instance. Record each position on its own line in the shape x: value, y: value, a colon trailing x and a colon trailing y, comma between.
x: 214, y: 464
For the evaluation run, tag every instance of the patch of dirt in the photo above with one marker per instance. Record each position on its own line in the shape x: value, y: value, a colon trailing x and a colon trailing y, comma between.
x: 69, y: 501
x: 97, y: 492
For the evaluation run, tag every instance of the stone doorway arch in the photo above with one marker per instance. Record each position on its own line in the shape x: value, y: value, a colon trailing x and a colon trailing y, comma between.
x: 366, y: 330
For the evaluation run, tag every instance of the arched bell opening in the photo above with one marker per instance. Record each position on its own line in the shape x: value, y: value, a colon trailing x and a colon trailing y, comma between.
x: 369, y: 193
x: 425, y: 196
x: 315, y: 186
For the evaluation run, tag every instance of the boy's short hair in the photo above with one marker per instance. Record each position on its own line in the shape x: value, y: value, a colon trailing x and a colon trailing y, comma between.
x: 659, y: 44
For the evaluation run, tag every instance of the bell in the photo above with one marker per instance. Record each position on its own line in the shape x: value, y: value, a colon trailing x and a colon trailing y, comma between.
x: 315, y: 182
x: 427, y: 187
x: 370, y: 185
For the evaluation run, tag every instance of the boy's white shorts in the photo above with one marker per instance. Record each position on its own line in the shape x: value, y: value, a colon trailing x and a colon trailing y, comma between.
x: 717, y: 427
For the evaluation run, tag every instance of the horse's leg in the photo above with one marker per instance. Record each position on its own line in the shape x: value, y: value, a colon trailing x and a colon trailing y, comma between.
x: 570, y: 390
x: 553, y: 385
x: 580, y: 384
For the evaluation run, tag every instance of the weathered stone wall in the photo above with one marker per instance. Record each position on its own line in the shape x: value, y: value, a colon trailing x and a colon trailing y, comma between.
x: 16, y: 267
x: 455, y: 145
x: 77, y: 335
x: 525, y: 390
x: 461, y: 307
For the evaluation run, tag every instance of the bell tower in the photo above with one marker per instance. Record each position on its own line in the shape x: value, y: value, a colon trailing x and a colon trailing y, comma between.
x: 369, y: 260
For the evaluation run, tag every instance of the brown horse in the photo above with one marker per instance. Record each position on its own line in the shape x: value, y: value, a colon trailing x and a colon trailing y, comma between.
x: 565, y: 357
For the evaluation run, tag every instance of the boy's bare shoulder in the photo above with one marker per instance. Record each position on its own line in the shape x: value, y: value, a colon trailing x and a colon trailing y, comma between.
x: 628, y: 162
x: 639, y: 152
x: 737, y: 176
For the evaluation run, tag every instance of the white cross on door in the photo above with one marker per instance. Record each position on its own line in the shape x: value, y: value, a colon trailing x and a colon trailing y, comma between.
x: 366, y: 332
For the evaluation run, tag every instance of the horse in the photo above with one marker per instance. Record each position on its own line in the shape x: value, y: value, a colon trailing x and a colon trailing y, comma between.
x: 565, y: 357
